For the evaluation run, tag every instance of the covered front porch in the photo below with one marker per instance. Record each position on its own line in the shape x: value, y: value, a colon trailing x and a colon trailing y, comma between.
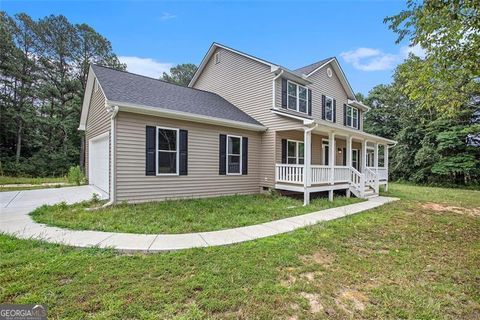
x: 316, y: 158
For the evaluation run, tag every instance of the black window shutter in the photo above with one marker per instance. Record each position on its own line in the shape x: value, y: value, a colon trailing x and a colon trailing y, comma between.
x: 309, y: 102
x: 358, y: 120
x: 150, y: 145
x: 244, y: 155
x: 344, y: 114
x: 284, y: 93
x: 284, y: 151
x: 323, y: 106
x: 183, y: 161
x: 222, y: 161
x: 334, y: 110
x: 344, y: 156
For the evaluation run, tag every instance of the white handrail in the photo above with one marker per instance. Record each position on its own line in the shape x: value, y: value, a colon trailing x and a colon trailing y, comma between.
x: 289, y: 173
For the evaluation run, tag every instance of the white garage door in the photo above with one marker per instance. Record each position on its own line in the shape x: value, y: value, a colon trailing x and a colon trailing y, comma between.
x: 98, y: 162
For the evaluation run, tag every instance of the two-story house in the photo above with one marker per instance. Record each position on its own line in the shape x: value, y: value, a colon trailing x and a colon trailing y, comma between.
x: 243, y: 125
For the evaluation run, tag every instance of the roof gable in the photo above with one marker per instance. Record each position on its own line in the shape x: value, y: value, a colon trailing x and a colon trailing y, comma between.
x: 317, y: 66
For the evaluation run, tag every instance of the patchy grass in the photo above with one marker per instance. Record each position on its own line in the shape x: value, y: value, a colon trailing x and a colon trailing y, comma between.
x: 4, y: 180
x: 180, y: 216
x: 399, y: 261
x: 8, y: 183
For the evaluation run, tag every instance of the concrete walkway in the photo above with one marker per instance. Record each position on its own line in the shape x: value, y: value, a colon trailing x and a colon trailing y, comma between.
x: 16, y: 205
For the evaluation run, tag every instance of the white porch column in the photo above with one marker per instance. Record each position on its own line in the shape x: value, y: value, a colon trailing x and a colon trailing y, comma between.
x: 331, y: 154
x: 307, y: 158
x: 349, y: 151
x: 364, y: 155
x: 375, y: 164
x: 385, y: 163
x: 349, y: 158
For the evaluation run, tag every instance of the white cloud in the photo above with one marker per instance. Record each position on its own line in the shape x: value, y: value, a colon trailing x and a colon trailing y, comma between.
x: 167, y: 16
x: 146, y: 66
x: 369, y: 59
x: 416, y: 50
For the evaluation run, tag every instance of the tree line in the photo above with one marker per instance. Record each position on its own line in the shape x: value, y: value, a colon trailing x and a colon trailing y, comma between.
x: 43, y: 72
x: 432, y: 107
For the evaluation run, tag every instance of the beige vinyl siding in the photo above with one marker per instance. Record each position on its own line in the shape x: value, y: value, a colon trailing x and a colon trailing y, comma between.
x: 247, y: 84
x: 98, y: 120
x: 203, y: 179
x: 331, y: 87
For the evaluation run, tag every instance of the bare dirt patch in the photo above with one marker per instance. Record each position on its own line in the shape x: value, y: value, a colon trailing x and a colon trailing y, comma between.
x: 439, y: 208
x: 313, y: 301
x: 350, y: 301
x: 309, y: 276
x: 320, y: 257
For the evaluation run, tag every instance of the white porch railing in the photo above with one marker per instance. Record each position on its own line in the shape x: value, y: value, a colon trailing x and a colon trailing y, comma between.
x: 341, y: 174
x: 382, y: 174
x: 320, y: 174
x: 293, y: 173
x: 289, y: 173
x: 370, y: 177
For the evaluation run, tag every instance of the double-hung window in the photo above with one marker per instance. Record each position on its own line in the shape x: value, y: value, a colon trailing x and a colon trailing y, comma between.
x: 297, y: 97
x: 329, y: 108
x: 295, y: 152
x: 167, y: 151
x: 352, y: 117
x: 234, y: 153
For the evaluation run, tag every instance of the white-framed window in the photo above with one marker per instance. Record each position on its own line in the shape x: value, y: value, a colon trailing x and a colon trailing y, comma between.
x: 297, y: 97
x: 167, y: 151
x: 295, y: 152
x: 234, y: 155
x: 329, y: 108
x: 370, y: 158
x: 352, y: 117
x: 325, y: 150
x: 217, y: 58
x: 355, y: 158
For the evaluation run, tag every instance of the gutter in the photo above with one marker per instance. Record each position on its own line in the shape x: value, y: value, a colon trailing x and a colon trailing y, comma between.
x: 172, y: 114
x: 113, y: 110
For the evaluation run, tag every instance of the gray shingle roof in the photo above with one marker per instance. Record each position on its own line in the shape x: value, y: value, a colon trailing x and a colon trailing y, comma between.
x: 122, y: 86
x: 311, y: 67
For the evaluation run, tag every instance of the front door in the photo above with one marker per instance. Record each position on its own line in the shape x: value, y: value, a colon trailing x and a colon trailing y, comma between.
x: 355, y: 158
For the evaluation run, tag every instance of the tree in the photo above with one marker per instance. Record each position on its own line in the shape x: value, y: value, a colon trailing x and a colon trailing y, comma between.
x: 43, y: 70
x: 449, y: 32
x: 180, y: 74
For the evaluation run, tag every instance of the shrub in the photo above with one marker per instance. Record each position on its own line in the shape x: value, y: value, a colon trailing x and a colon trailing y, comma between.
x: 75, y: 175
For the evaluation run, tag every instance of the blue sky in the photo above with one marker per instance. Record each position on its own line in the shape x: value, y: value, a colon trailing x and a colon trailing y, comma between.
x: 151, y: 36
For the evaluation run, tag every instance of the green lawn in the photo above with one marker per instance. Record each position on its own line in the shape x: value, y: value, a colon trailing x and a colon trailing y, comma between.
x: 180, y: 216
x: 417, y: 258
x: 24, y: 180
x: 31, y: 183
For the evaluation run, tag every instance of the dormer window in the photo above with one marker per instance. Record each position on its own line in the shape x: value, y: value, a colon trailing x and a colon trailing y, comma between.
x: 352, y: 117
x: 297, y: 97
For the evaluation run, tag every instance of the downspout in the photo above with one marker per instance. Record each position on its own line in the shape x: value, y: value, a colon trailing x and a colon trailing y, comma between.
x: 113, y: 110
x: 273, y: 88
x: 307, y: 166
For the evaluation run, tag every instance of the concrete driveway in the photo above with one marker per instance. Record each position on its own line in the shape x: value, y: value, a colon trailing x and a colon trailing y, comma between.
x: 11, y: 201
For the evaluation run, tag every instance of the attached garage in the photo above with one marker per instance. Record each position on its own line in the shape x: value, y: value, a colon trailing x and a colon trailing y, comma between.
x: 98, y: 162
